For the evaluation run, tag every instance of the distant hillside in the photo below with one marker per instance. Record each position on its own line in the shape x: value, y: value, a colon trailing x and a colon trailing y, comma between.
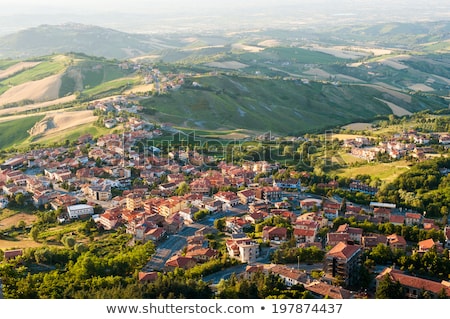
x: 234, y: 102
x: 52, y: 77
x: 400, y: 35
x: 91, y: 40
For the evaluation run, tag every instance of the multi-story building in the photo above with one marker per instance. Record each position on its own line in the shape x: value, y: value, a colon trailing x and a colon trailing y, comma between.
x: 342, y: 263
x: 244, y: 249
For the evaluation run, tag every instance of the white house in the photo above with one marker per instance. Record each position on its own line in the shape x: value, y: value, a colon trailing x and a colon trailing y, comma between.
x: 80, y: 210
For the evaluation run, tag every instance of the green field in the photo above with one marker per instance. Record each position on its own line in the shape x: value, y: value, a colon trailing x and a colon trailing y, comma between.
x: 292, y: 55
x: 239, y: 102
x: 14, y: 132
x: 4, y: 64
x: 111, y: 87
x: 72, y: 134
x: 89, y: 73
x: 386, y: 172
x: 40, y: 71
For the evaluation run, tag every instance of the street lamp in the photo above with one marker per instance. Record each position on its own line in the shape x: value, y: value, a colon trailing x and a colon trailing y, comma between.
x: 298, y: 262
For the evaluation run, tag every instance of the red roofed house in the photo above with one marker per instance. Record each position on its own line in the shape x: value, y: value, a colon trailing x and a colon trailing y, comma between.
x: 109, y: 220
x: 396, y: 241
x: 397, y: 220
x: 343, y: 262
x: 427, y: 244
x: 256, y: 217
x: 373, y: 240
x: 323, y: 290
x: 290, y: 276
x: 202, y: 255
x: 180, y: 262
x: 246, y: 196
x: 273, y: 233
x: 354, y: 233
x: 412, y: 219
x: 11, y: 254
x: 383, y: 213
x: 413, y: 286
x: 145, y: 277
x: 304, y: 235
x: 229, y: 198
x: 244, y: 249
x: 331, y: 210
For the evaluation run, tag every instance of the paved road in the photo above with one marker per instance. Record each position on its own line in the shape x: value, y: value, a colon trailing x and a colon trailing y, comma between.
x: 175, y: 243
x: 215, y: 278
x: 170, y: 246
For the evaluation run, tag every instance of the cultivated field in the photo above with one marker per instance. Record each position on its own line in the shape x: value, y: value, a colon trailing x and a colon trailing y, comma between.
x: 20, y: 244
x: 30, y: 107
x: 232, y: 65
x: 269, y: 43
x: 397, y: 110
x: 386, y: 172
x: 58, y: 122
x: 358, y: 126
x: 405, y: 97
x: 342, y: 137
x: 46, y: 89
x: 244, y: 47
x: 15, y: 219
x: 421, y: 87
x: 16, y: 68
x: 340, y: 52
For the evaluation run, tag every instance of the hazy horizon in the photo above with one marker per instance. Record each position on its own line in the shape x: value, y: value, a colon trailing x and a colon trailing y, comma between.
x: 177, y: 15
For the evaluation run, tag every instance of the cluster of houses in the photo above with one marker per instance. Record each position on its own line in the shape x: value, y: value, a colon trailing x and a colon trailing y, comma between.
x: 400, y: 145
x: 152, y: 213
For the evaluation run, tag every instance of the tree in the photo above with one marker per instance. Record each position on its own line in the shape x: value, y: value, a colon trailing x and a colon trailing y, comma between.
x: 388, y: 289
x: 182, y: 189
x: 34, y: 233
x: 220, y: 224
x: 68, y: 241
x: 21, y: 224
x: 19, y: 199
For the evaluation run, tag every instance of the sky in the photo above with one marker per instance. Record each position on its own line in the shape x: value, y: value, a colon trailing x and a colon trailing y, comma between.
x: 145, y: 15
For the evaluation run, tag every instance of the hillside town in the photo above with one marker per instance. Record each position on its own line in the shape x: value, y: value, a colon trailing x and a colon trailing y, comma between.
x: 158, y: 195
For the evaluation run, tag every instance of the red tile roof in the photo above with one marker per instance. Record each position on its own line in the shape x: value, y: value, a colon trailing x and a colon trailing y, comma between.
x: 343, y: 250
x: 414, y: 282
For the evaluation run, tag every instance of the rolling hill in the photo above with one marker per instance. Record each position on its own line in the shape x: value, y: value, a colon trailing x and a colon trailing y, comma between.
x: 53, y: 77
x: 259, y: 81
x: 226, y: 102
x: 71, y: 37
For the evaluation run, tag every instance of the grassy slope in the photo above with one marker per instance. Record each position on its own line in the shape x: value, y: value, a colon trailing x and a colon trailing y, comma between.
x: 90, y: 73
x: 4, y: 64
x: 15, y: 132
x: 262, y: 105
x: 72, y: 134
x: 51, y: 66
